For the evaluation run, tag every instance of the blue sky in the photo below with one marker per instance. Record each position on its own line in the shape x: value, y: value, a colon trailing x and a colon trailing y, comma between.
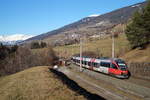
x: 35, y: 17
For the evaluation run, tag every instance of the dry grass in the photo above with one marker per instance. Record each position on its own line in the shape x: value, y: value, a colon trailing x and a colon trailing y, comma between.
x: 35, y: 84
x: 138, y: 55
x: 35, y: 51
x: 103, y: 46
x: 100, y: 46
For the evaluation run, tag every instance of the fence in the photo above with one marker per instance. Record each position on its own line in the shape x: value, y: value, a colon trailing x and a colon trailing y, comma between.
x: 141, y: 70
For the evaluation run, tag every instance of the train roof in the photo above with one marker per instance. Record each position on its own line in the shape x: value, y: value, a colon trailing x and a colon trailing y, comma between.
x: 103, y: 58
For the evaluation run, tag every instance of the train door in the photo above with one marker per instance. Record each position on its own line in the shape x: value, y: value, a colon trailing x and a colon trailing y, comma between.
x: 96, y: 66
x: 114, y: 69
x: 91, y: 65
x: 87, y: 64
x: 104, y: 66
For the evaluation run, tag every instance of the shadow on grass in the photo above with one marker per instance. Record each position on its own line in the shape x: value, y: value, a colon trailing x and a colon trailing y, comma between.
x: 75, y: 87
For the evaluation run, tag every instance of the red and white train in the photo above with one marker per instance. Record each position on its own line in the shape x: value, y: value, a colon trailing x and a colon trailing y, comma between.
x: 116, y: 67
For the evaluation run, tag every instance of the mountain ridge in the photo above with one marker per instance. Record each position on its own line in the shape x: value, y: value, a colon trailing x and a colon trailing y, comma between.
x: 103, y: 22
x: 14, y: 39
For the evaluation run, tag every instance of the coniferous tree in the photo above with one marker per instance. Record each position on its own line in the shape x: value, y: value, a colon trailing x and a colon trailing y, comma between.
x: 35, y: 45
x: 138, y: 30
x: 43, y: 44
x: 146, y: 18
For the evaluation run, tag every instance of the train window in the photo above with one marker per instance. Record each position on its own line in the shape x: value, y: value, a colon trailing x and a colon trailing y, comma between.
x: 114, y: 66
x: 82, y: 62
x: 95, y: 64
x: 89, y: 63
x: 105, y: 64
x: 85, y: 62
x: 78, y: 61
x: 119, y: 61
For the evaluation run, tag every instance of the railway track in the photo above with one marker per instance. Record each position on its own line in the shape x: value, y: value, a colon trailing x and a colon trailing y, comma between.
x: 108, y: 87
x: 92, y: 87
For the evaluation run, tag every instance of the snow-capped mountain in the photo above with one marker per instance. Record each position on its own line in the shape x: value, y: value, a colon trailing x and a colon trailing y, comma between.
x: 14, y: 39
x: 94, y: 15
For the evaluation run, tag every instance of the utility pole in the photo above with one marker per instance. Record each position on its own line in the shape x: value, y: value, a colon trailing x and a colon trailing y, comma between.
x: 72, y: 46
x: 80, y: 53
x: 113, y: 45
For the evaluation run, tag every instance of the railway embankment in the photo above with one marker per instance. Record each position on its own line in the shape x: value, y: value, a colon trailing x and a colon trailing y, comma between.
x: 109, y: 87
x: 75, y: 87
x: 36, y: 83
x: 140, y: 70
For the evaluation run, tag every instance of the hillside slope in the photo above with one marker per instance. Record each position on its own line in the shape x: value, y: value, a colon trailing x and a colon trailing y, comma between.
x: 99, y: 46
x: 104, y: 47
x: 138, y: 55
x: 36, y: 83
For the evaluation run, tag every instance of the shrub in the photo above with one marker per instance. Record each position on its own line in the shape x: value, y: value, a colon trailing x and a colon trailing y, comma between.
x: 35, y: 45
x: 43, y: 44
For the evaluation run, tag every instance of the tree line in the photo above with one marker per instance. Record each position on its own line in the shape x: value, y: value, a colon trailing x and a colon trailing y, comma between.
x: 6, y: 50
x: 17, y: 58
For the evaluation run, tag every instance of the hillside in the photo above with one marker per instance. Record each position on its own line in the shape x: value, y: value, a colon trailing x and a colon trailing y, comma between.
x: 99, y: 46
x: 138, y: 55
x: 90, y: 25
x: 36, y: 83
x: 103, y: 47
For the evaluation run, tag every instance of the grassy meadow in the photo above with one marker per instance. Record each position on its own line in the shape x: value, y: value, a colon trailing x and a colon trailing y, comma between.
x: 102, y: 46
x: 36, y: 83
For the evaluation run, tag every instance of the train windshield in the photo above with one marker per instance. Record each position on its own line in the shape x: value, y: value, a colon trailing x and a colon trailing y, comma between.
x: 121, y: 64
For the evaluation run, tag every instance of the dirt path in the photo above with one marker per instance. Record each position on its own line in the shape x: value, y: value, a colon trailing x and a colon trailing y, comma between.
x: 109, y: 87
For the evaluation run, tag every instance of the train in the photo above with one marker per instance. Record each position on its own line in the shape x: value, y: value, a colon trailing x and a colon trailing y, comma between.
x: 111, y: 66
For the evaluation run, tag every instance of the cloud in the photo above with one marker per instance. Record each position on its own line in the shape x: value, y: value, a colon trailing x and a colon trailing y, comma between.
x: 94, y: 15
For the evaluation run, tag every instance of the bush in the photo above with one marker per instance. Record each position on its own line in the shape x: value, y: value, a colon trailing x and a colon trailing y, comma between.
x: 36, y: 45
x: 43, y: 44
x: 6, y: 51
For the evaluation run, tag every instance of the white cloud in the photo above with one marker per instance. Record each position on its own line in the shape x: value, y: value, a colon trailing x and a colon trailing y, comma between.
x: 94, y: 15
x: 15, y: 37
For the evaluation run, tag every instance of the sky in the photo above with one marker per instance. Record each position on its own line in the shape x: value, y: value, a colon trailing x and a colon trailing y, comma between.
x: 34, y: 17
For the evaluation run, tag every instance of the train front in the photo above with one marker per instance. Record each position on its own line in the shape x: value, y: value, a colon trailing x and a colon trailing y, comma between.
x: 123, y: 69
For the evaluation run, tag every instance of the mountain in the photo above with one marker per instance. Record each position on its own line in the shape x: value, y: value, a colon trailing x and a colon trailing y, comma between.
x: 91, y: 24
x: 14, y: 39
